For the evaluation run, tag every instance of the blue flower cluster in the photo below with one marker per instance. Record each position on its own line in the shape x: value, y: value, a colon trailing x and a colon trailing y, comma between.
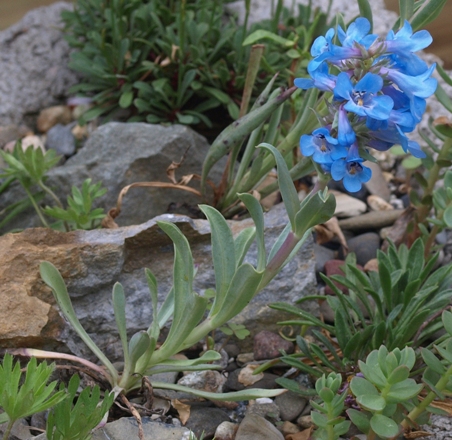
x: 379, y: 89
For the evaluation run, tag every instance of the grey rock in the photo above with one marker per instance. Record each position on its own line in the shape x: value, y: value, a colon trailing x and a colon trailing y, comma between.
x: 92, y: 261
x: 266, y: 408
x: 256, y: 427
x: 322, y: 255
x: 290, y: 405
x: 440, y: 427
x: 267, y: 382
x: 205, y: 420
x: 348, y: 206
x: 377, y: 185
x: 61, y: 139
x: 127, y: 427
x: 20, y: 430
x: 371, y: 220
x: 167, y: 377
x: 226, y: 431
x: 365, y: 247
x: 207, y: 380
x: 34, y: 70
x: 119, y: 154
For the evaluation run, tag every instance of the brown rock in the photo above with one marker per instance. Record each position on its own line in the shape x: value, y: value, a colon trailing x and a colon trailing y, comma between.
x: 268, y: 345
x: 58, y: 114
x: 10, y: 133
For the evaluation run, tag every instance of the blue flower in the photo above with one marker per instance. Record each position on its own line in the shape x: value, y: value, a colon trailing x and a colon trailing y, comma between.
x: 345, y: 133
x: 362, y: 98
x: 323, y: 148
x: 405, y: 41
x: 351, y: 170
x: 321, y: 79
x: 357, y: 34
x: 417, y: 88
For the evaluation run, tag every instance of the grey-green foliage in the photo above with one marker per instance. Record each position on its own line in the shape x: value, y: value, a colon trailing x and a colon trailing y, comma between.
x: 384, y: 391
x: 75, y: 417
x: 236, y: 283
x: 396, y: 306
x: 80, y: 213
x: 29, y: 168
x: 328, y: 415
x: 21, y: 397
x: 175, y: 60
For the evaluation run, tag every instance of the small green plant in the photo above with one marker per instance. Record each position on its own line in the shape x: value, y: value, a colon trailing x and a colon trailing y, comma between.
x: 20, y: 400
x: 29, y: 167
x: 80, y: 213
x: 383, y: 399
x: 75, y: 417
x: 179, y: 61
x: 384, y: 392
x: 331, y: 425
x: 236, y: 283
x: 397, y: 306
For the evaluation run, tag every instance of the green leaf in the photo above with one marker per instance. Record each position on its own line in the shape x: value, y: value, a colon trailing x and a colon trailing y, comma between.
x: 447, y: 321
x: 429, y: 10
x: 360, y: 419
x: 447, y: 216
x: 236, y: 396
x: 20, y: 397
x: 243, y: 242
x: 242, y: 288
x: 432, y: 361
x: 188, y: 306
x: 366, y: 11
x: 286, y: 186
x: 223, y: 254
x: 398, y: 374
x: 384, y: 426
x: 319, y: 419
x: 262, y: 34
x: 256, y: 213
x: 119, y: 308
x: 315, y: 209
x: 406, y: 8
x: 403, y: 391
x: 411, y: 163
x: 52, y: 277
x: 371, y: 402
x: 361, y: 386
x: 126, y: 99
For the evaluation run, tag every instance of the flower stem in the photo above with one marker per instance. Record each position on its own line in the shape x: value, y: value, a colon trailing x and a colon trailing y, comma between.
x: 8, y: 430
x: 419, y: 409
x: 37, y: 208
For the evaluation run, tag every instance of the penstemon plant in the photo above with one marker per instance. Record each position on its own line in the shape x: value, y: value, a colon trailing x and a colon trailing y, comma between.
x: 236, y: 284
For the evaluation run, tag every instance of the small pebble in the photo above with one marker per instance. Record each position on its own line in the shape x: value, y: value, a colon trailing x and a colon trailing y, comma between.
x: 61, y: 139
x: 376, y: 203
x: 348, y: 206
x: 58, y: 114
x: 304, y: 421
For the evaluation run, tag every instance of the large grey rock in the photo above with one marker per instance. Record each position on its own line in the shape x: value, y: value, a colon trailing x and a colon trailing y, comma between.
x: 127, y: 428
x: 33, y: 64
x: 118, y: 154
x: 92, y: 261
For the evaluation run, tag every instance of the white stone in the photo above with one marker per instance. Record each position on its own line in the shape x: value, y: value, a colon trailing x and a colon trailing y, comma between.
x: 348, y: 206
